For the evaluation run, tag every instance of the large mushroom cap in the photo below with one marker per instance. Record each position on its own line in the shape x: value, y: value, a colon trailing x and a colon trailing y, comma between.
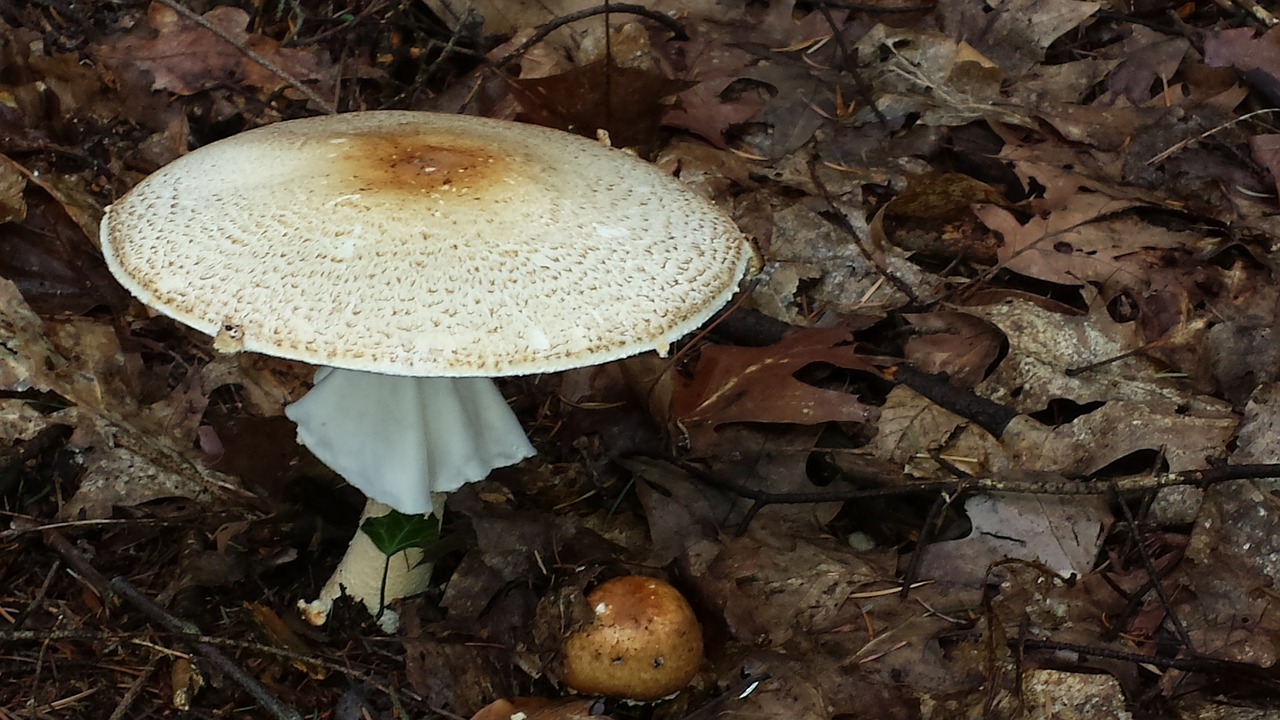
x: 412, y: 243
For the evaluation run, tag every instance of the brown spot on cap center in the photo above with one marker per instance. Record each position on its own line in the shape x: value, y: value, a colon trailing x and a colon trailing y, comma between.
x: 417, y: 165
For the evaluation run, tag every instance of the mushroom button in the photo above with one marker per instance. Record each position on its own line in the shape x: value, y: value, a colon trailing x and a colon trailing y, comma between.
x: 414, y: 256
x: 643, y: 644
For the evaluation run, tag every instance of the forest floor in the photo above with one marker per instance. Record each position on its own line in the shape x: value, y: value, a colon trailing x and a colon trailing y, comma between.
x: 986, y: 436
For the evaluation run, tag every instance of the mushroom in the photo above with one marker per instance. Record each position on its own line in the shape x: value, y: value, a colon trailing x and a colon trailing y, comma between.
x: 414, y: 256
x: 643, y: 644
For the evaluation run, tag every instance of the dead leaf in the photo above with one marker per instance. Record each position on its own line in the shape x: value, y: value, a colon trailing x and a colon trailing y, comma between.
x: 959, y: 344
x: 455, y: 675
x: 1081, y: 242
x: 680, y: 510
x: 1121, y: 430
x: 772, y: 589
x: 626, y: 102
x: 185, y: 59
x: 13, y: 181
x: 738, y: 385
x: 1148, y: 59
x: 1074, y: 696
x: 1233, y: 551
x: 1266, y: 152
x: 1044, y: 343
x: 280, y: 635
x: 1060, y: 533
x: 124, y: 464
x: 1014, y: 33
x: 1241, y: 49
x: 48, y: 257
x: 706, y: 111
x: 904, y: 61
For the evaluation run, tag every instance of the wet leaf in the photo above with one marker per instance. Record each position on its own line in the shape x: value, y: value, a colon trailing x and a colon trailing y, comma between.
x: 396, y: 532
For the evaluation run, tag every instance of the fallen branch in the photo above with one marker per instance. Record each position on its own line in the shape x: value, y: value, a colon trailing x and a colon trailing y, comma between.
x: 1226, y: 669
x: 118, y: 588
x: 1030, y: 483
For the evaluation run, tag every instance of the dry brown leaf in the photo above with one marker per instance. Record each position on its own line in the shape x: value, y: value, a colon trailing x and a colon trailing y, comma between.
x: 627, y: 102
x: 1118, y: 430
x: 47, y: 256
x: 1241, y: 49
x: 1014, y: 33
x: 758, y: 385
x: 1081, y: 242
x: 1148, y: 58
x: 185, y: 59
x: 962, y: 88
x: 1266, y: 152
x: 705, y: 112
x: 910, y: 426
x: 959, y: 344
x: 125, y: 463
x: 1060, y: 533
x: 772, y: 589
x: 13, y: 183
x: 1043, y: 344
x: 460, y: 676
x: 1233, y: 564
x: 681, y: 511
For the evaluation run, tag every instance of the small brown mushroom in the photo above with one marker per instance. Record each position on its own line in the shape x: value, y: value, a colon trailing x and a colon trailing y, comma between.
x: 644, y: 644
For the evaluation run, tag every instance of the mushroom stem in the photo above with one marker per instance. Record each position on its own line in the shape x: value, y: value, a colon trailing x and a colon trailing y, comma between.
x: 359, y: 576
x: 400, y: 440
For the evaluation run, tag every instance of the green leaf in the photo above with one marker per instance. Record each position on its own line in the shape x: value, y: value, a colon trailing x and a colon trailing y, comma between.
x: 396, y: 531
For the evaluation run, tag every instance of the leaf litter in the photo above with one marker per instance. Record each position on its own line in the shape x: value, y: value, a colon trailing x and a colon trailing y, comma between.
x: 987, y: 436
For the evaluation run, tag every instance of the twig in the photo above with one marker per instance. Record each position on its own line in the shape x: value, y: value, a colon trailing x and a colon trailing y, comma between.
x: 677, y: 30
x: 84, y: 571
x: 17, y: 636
x: 248, y: 52
x: 1011, y: 484
x: 118, y: 587
x: 1196, y: 663
x: 848, y: 58
x: 938, y: 388
x: 40, y: 595
x: 135, y: 689
x: 1257, y: 12
x: 277, y: 708
x: 373, y: 7
x: 1180, y: 146
x: 1154, y: 575
x: 837, y: 218
x: 927, y: 530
